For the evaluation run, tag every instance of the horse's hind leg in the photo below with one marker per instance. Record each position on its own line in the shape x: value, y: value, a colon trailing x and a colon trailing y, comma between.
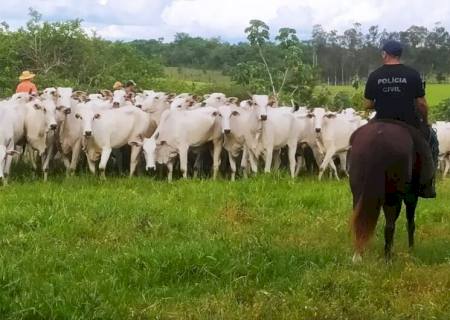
x: 391, y: 210
x: 411, y: 204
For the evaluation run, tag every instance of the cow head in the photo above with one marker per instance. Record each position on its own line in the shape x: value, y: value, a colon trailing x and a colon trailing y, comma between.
x: 182, y: 102
x: 227, y: 112
x: 86, y: 115
x: 119, y: 98
x: 214, y: 100
x: 63, y: 102
x: 259, y: 104
x: 149, y: 151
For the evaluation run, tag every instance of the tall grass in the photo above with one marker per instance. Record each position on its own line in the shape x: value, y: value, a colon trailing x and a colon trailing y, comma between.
x: 262, y: 248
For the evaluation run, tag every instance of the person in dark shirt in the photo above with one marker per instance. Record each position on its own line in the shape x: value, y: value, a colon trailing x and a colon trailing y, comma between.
x: 396, y: 92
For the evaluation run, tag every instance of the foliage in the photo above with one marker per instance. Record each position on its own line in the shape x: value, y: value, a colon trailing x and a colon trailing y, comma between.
x: 342, y: 99
x: 441, y: 111
x: 62, y: 54
x: 321, y: 98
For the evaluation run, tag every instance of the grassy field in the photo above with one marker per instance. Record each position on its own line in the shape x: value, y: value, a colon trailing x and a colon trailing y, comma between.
x: 197, y: 75
x: 264, y: 248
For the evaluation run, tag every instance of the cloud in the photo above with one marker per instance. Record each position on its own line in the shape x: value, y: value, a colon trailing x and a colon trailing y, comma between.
x: 116, y: 19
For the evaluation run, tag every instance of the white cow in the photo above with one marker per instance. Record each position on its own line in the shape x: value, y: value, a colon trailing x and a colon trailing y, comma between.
x: 116, y: 128
x: 234, y: 124
x: 214, y: 100
x: 184, y: 101
x: 443, y: 134
x: 121, y: 98
x: 270, y: 129
x: 333, y: 138
x: 7, y: 115
x: 178, y: 132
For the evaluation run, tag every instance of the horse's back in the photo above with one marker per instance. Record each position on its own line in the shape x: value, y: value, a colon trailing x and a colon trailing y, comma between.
x: 381, y: 158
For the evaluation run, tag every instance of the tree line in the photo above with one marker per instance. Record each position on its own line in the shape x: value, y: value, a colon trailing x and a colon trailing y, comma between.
x: 339, y: 57
x: 277, y: 63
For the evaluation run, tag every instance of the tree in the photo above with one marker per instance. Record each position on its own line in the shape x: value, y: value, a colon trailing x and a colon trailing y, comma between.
x: 257, y: 35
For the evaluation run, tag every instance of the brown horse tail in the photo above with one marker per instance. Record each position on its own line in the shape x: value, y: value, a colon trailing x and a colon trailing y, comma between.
x: 364, y: 220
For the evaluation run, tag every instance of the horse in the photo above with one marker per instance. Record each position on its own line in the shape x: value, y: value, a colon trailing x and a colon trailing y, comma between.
x: 383, y: 174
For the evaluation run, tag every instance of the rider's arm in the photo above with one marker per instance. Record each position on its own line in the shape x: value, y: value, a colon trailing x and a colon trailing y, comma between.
x: 421, y: 102
x: 422, y: 106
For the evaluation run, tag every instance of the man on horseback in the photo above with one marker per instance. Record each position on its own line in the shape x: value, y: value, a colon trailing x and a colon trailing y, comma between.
x: 397, y: 92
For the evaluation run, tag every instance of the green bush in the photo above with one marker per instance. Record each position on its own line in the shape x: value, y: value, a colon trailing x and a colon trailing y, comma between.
x: 342, y: 100
x: 358, y: 100
x: 441, y: 111
x: 321, y: 98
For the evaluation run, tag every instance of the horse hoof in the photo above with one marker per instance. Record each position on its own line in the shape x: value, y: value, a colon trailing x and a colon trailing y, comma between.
x: 357, y: 258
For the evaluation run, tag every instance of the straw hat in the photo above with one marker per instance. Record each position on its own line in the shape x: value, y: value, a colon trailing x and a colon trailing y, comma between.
x: 117, y: 85
x: 26, y: 75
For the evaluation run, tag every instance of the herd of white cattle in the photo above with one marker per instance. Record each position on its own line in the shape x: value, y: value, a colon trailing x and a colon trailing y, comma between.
x: 61, y: 124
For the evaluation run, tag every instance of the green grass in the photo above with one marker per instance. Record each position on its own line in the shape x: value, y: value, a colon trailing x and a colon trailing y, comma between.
x: 263, y: 248
x: 197, y: 75
x: 435, y: 93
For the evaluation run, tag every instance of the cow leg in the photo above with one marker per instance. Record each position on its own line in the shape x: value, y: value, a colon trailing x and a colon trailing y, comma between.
x: 298, y: 165
x: 343, y: 160
x: 447, y: 166
x: 326, y: 161
x: 91, y: 164
x: 333, y: 170
x: 391, y: 210
x: 232, y: 166
x: 244, y: 162
x: 134, y: 158
x: 269, y: 154
x: 106, y: 152
x: 75, y: 157
x: 291, y: 154
x: 170, y: 169
x: 251, y: 157
x: 276, y: 159
x: 411, y: 204
x: 184, y: 161
x: 197, y: 164
x: 216, y: 157
x: 46, y: 161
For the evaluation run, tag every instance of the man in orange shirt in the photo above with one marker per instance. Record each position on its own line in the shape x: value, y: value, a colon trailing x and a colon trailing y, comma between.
x: 25, y: 84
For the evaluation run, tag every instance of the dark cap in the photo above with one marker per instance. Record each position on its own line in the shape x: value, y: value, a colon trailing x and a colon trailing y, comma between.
x: 394, y: 48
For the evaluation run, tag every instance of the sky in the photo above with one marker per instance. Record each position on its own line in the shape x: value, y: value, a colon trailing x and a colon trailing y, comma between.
x: 227, y: 19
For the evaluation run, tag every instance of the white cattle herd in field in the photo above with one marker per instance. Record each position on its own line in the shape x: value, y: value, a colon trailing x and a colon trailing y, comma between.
x: 170, y: 130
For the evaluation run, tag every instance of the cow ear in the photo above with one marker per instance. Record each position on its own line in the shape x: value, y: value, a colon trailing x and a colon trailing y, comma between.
x: 97, y: 115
